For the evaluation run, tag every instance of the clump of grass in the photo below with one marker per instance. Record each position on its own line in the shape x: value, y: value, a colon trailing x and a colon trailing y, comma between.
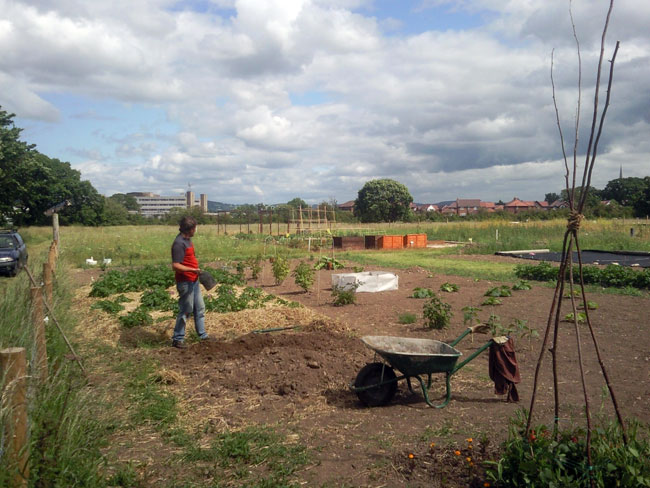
x: 407, y: 318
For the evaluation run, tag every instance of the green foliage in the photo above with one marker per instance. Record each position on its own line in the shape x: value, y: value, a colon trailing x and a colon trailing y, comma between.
x: 344, y: 295
x: 136, y: 318
x: 108, y: 306
x: 158, y: 299
x: 499, y: 291
x: 255, y: 264
x: 226, y: 277
x: 470, y: 315
x: 304, y: 275
x: 489, y: 301
x: 233, y: 453
x: 383, y: 200
x: 139, y: 279
x: 449, y: 287
x: 496, y: 328
x: 152, y: 404
x: 325, y: 262
x: 581, y: 318
x: 543, y: 460
x: 422, y: 293
x: 227, y: 299
x: 280, y: 268
x: 407, y: 318
x: 590, y: 305
x: 437, y: 314
x: 521, y: 285
x: 539, y: 272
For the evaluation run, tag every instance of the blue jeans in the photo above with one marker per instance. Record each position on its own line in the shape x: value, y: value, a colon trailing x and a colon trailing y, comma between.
x: 190, y: 301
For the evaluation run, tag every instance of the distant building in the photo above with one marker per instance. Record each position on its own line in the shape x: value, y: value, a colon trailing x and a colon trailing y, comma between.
x: 347, y: 206
x: 152, y: 205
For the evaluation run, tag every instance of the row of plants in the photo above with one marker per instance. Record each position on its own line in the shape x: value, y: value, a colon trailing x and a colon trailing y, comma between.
x: 609, y: 276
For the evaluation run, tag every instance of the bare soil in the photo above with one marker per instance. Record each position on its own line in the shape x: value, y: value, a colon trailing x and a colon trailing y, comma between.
x: 298, y: 379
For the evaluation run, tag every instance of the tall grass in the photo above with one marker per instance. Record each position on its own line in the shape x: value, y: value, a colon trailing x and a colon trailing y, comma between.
x: 65, y: 435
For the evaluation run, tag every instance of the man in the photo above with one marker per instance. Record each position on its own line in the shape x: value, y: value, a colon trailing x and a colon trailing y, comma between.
x: 186, y: 267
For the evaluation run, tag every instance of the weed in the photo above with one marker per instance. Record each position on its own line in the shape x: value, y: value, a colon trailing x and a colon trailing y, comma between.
x: 108, y: 306
x: 470, y: 315
x: 407, y: 318
x: 437, y: 314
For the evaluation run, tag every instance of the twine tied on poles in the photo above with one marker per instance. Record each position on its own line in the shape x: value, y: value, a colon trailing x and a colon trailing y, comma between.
x: 573, y: 223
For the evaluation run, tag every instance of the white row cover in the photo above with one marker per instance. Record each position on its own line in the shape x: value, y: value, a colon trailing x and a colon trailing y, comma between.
x: 370, y: 281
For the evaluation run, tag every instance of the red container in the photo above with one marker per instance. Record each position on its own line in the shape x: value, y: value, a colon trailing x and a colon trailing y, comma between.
x: 415, y: 240
x: 391, y: 242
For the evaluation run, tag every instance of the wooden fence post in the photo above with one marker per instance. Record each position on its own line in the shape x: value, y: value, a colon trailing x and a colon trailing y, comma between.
x: 47, y: 282
x: 55, y: 227
x: 40, y: 359
x: 13, y: 367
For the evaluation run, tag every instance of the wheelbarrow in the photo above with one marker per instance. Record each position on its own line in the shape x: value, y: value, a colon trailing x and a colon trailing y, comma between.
x: 376, y: 383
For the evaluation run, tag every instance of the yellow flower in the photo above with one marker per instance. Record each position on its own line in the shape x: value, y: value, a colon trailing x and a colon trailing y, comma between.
x: 469, y: 459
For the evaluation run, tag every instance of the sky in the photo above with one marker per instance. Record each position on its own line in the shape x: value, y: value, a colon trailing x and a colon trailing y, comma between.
x: 262, y: 101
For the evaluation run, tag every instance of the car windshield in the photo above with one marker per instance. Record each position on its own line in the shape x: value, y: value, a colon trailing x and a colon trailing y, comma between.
x: 6, y: 242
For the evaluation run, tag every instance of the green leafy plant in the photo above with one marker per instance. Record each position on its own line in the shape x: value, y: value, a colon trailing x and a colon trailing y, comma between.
x: 543, y: 459
x: 590, y: 305
x: 280, y: 269
x: 499, y: 291
x: 407, y: 318
x: 449, y: 287
x: 490, y: 301
x: 496, y: 328
x: 136, y: 318
x: 255, y: 265
x: 568, y: 294
x: 157, y: 299
x: 357, y: 269
x: 304, y: 275
x: 437, y: 314
x: 422, y: 293
x: 345, y: 295
x: 521, y: 285
x: 325, y: 262
x: 108, y: 306
x: 525, y: 331
x: 470, y: 315
x: 581, y: 318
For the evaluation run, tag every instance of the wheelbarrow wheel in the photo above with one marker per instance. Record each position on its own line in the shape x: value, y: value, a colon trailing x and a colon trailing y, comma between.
x: 371, y: 374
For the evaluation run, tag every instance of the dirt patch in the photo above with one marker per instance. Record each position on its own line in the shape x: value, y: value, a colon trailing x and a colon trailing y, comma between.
x: 298, y: 378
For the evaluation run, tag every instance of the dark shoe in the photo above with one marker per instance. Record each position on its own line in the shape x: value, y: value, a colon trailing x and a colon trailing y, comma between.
x: 208, y: 339
x: 179, y: 345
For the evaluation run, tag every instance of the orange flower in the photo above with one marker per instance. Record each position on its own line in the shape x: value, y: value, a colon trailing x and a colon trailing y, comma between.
x: 432, y: 445
x: 470, y: 447
x: 469, y: 440
x: 469, y: 459
x: 486, y: 485
x: 411, y: 455
x: 457, y: 453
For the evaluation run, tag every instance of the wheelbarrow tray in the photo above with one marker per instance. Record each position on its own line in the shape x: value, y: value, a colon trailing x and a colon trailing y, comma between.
x: 412, y: 356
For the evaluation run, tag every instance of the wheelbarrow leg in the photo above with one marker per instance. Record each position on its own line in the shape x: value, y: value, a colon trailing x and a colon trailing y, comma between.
x: 425, y: 391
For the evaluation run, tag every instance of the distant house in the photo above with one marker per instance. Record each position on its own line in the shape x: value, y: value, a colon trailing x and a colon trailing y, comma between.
x: 426, y: 207
x: 489, y: 206
x: 347, y: 206
x: 462, y: 207
x: 541, y: 205
x: 558, y: 204
x: 516, y: 206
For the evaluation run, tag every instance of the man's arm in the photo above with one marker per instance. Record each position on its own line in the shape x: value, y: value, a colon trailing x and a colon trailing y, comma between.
x: 181, y: 267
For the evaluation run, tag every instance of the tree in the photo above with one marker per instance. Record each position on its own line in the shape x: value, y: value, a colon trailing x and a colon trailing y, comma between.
x: 127, y: 201
x: 551, y: 197
x: 383, y: 200
x: 627, y: 191
x: 297, y: 202
x: 593, y: 197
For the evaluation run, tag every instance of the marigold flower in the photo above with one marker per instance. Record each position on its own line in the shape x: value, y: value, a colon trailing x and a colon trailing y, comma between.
x: 432, y: 445
x: 486, y: 485
x: 469, y: 440
x: 411, y: 455
x: 457, y: 453
x: 469, y: 459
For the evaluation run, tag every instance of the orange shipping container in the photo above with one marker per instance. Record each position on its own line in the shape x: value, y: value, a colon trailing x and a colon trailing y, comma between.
x: 415, y: 240
x: 391, y: 242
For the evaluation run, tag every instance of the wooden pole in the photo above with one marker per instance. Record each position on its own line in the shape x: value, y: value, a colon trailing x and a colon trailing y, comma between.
x: 52, y: 255
x: 13, y: 366
x: 47, y: 282
x: 38, y: 323
x: 55, y: 227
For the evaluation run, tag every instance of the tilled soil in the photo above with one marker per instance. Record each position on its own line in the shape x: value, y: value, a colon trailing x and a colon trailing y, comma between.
x: 298, y: 379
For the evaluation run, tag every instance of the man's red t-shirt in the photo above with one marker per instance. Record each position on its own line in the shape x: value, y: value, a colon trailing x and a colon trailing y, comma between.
x: 183, y: 252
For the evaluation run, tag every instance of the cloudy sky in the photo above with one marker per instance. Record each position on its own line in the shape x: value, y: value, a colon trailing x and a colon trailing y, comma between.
x: 266, y: 100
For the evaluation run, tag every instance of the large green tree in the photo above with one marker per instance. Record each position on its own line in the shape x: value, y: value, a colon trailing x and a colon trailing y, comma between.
x: 33, y: 182
x: 630, y: 192
x: 383, y: 200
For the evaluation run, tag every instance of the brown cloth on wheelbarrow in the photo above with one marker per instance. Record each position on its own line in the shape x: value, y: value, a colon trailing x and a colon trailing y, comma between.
x: 504, y: 370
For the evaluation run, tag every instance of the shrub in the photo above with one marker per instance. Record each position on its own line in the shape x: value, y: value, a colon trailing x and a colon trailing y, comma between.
x: 345, y: 295
x: 437, y: 314
x: 538, y: 272
x: 280, y: 268
x: 304, y: 276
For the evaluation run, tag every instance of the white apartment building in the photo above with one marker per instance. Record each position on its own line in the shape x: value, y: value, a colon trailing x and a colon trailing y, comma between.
x: 152, y: 205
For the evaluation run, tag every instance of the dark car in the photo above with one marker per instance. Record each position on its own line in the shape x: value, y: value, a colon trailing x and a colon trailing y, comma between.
x: 13, y: 252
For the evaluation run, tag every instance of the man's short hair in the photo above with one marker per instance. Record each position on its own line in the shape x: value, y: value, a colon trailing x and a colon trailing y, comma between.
x: 186, y: 224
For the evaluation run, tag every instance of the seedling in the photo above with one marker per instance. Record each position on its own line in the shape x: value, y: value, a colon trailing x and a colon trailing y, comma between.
x: 449, y: 287
x: 437, y: 314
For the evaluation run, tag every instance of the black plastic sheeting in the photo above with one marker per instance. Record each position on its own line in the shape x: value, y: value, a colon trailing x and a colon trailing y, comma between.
x: 622, y: 258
